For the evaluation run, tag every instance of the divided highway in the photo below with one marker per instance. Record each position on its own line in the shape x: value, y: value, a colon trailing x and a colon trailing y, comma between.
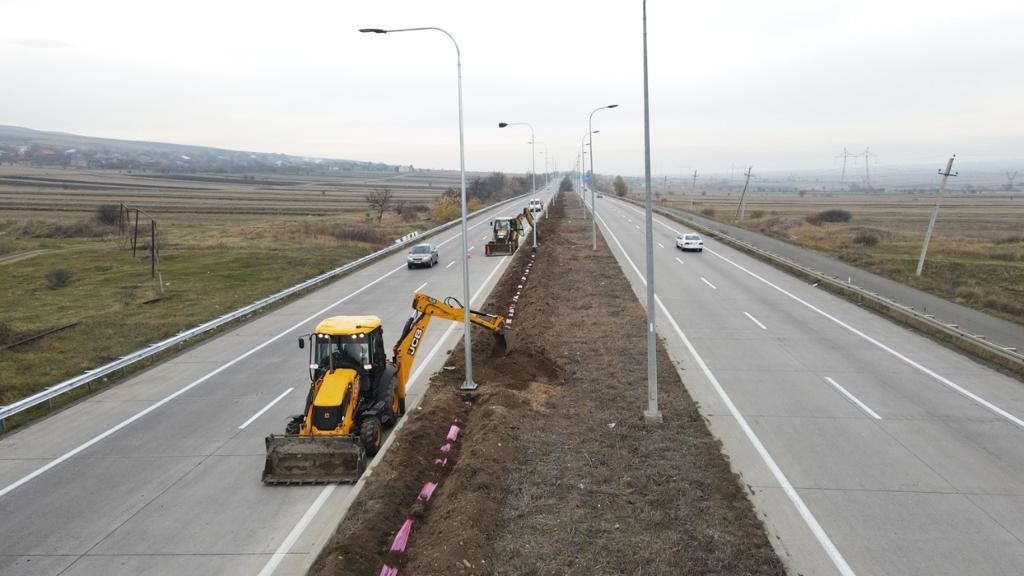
x: 161, y: 473
x: 870, y: 449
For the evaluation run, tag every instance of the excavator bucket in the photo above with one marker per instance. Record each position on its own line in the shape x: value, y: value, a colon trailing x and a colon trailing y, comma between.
x: 502, y: 343
x: 293, y: 459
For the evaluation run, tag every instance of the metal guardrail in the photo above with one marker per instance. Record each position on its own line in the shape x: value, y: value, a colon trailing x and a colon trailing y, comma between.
x: 90, y: 376
x: 1011, y: 358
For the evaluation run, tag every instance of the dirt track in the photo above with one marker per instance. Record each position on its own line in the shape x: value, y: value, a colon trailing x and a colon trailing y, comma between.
x: 556, y: 472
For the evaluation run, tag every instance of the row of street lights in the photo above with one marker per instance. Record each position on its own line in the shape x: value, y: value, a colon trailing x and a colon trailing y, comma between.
x: 652, y: 413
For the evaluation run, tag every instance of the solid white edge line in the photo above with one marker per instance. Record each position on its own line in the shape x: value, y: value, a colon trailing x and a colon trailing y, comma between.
x: 297, y: 531
x: 705, y: 280
x: 854, y: 399
x: 420, y: 287
x: 87, y: 444
x: 763, y: 327
x: 293, y: 536
x: 945, y: 381
x: 805, y: 513
x: 265, y: 408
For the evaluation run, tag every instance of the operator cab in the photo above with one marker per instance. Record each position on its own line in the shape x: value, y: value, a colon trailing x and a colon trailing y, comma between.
x: 354, y: 342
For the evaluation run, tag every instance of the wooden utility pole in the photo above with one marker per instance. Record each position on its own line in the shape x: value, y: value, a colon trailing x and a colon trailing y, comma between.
x: 741, y: 209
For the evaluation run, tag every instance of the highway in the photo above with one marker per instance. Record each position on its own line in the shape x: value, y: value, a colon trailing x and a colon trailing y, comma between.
x: 160, y: 474
x: 869, y: 449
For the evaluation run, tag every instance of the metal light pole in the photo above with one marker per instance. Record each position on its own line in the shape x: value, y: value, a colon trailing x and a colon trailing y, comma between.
x: 652, y: 414
x: 533, y: 165
x: 590, y: 130
x: 469, y: 384
x: 935, y: 212
x: 583, y: 168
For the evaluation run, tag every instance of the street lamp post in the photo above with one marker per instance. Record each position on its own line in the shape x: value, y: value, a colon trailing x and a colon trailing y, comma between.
x: 583, y: 168
x: 652, y: 414
x: 533, y: 165
x: 469, y: 384
x: 593, y: 205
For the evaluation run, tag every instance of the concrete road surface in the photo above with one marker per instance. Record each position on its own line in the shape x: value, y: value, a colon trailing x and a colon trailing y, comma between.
x: 997, y: 330
x: 870, y: 449
x: 161, y: 474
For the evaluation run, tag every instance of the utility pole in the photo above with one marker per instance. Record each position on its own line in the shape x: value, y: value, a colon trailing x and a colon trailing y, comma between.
x: 741, y: 209
x: 935, y: 212
x: 694, y: 185
x: 1010, y: 177
x: 867, y: 168
x: 845, y: 155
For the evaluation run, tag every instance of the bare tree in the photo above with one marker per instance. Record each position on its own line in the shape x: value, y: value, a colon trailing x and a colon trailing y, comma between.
x: 379, y: 200
x: 398, y: 206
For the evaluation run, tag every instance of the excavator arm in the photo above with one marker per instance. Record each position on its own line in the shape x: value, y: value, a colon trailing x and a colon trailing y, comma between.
x: 450, y: 309
x: 528, y: 215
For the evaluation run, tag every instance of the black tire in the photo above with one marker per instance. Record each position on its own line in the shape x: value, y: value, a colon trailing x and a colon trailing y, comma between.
x: 371, y: 435
x: 410, y: 266
x: 401, y: 406
x: 392, y: 406
x: 292, y: 427
x: 700, y: 249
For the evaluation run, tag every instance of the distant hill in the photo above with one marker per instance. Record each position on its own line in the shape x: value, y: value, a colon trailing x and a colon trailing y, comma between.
x: 23, y: 145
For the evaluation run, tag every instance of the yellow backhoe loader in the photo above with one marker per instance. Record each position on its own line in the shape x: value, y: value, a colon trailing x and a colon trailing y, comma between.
x: 355, y: 393
x: 507, y: 231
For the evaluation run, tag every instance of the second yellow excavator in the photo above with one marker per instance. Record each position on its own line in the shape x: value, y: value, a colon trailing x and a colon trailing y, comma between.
x: 355, y: 392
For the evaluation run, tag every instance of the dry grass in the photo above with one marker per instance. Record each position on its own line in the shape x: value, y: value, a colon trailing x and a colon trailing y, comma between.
x: 976, y: 255
x: 213, y: 260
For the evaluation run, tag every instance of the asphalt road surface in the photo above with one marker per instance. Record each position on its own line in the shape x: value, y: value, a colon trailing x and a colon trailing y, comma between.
x: 869, y: 449
x: 161, y: 474
x: 997, y: 330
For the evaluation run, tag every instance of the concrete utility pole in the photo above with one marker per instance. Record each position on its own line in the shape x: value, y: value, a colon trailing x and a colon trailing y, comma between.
x: 652, y: 414
x: 935, y: 212
x: 741, y: 209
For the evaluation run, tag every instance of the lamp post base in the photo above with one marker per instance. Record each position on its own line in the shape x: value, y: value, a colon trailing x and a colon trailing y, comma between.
x: 653, y: 417
x: 469, y: 386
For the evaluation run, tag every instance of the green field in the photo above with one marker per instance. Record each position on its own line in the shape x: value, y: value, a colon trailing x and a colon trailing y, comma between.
x: 221, y: 247
x: 976, y: 254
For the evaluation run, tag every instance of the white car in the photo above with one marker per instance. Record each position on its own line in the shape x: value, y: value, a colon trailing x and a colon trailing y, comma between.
x: 690, y: 242
x: 536, y: 205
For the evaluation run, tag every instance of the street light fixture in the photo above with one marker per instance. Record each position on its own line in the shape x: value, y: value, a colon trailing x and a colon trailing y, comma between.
x: 533, y: 160
x: 583, y: 170
x: 593, y: 205
x: 469, y: 384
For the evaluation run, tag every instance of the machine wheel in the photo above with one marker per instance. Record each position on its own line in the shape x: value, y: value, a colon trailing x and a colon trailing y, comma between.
x: 410, y: 266
x: 393, y: 406
x: 292, y: 427
x: 371, y: 434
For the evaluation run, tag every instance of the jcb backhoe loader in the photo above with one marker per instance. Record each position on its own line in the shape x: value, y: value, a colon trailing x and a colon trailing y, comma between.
x: 507, y: 231
x: 355, y: 393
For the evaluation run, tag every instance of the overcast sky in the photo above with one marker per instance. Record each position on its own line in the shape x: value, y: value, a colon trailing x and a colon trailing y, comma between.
x: 781, y: 85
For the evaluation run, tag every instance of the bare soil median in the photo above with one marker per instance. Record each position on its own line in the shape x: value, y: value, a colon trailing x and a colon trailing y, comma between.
x: 555, y: 471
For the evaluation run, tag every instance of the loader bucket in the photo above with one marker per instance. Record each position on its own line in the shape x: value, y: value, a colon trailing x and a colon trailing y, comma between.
x: 497, y: 249
x: 293, y: 459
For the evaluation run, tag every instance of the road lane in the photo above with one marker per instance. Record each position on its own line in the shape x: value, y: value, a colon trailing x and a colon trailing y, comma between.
x: 158, y: 467
x: 859, y: 476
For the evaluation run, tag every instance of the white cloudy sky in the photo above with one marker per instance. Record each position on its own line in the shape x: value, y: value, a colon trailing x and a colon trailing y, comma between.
x: 782, y: 85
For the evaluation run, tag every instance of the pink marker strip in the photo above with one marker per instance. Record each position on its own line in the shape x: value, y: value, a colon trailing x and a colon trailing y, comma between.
x: 427, y: 492
x: 453, y: 433
x: 402, y: 538
x: 446, y: 448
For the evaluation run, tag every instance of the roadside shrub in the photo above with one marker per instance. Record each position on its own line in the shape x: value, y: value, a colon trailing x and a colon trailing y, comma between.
x: 352, y: 233
x: 757, y: 214
x: 58, y: 278
x: 446, y: 208
x: 832, y: 216
x: 107, y: 214
x: 866, y: 238
x: 46, y: 229
x: 709, y: 212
